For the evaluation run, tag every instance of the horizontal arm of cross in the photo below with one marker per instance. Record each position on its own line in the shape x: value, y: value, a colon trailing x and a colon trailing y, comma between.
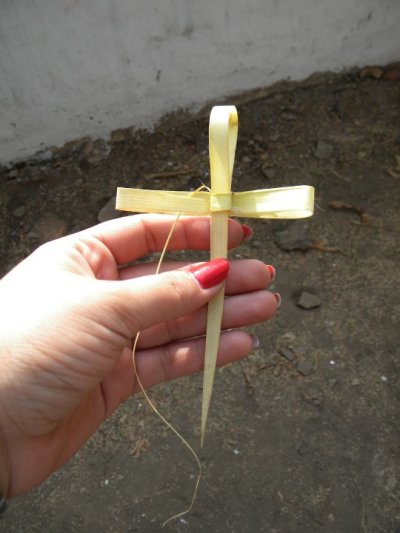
x: 283, y: 202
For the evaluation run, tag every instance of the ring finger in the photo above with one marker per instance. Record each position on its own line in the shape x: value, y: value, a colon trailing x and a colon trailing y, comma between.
x: 239, y: 311
x: 245, y: 275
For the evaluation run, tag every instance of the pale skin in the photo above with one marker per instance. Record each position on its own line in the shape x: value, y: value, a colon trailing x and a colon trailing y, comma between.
x: 68, y: 314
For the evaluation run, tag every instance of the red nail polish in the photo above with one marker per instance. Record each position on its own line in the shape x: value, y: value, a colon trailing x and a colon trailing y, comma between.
x: 247, y: 231
x: 211, y: 273
x: 271, y: 271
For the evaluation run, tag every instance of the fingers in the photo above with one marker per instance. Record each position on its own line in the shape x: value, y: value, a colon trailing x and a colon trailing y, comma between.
x: 168, y: 362
x: 245, y: 275
x: 247, y: 279
x: 131, y: 237
x: 135, y: 305
x: 182, y: 359
x: 239, y: 311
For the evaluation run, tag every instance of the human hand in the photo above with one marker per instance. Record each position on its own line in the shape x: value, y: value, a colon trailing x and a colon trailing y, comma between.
x: 68, y: 314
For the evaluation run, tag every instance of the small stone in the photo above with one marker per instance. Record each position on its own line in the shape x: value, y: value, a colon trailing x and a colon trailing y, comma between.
x: 345, y: 137
x: 287, y: 353
x: 372, y: 71
x: 304, y: 368
x: 19, y: 211
x: 274, y: 137
x: 95, y: 159
x: 96, y: 151
x: 32, y: 235
x: 70, y: 147
x: 308, y: 300
x: 289, y: 116
x: 120, y: 135
x: 268, y: 172
x: 294, y: 237
x: 88, y: 148
x: 323, y: 150
x: 108, y: 211
x: 14, y: 173
x: 276, y: 371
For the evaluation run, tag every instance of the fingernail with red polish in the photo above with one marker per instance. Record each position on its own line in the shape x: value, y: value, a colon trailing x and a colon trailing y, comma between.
x: 211, y: 273
x: 247, y: 231
x: 278, y: 299
x: 271, y: 271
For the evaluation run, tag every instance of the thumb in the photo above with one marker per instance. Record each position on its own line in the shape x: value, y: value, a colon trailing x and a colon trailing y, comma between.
x: 149, y: 300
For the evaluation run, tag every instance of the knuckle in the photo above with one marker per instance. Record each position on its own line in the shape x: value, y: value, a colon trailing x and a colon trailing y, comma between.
x: 173, y: 330
x: 150, y: 239
x: 179, y: 289
x: 167, y: 362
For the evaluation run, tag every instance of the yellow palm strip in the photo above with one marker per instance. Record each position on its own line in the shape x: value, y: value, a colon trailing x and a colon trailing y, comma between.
x: 283, y: 202
x: 220, y: 203
x: 222, y: 146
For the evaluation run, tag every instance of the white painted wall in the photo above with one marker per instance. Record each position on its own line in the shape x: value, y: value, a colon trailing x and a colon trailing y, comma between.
x: 70, y: 68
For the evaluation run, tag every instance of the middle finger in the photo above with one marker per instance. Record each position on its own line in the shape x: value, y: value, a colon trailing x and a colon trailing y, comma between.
x: 245, y: 275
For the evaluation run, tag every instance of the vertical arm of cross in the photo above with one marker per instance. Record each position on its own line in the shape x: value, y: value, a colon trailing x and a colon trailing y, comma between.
x: 222, y: 145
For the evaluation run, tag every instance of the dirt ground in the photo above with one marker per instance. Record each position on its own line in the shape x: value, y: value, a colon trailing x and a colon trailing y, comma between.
x: 303, y: 436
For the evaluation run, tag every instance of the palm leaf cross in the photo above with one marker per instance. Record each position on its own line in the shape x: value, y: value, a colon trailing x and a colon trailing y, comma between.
x: 220, y: 203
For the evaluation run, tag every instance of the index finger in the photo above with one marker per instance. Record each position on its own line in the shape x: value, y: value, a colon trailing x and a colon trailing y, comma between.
x: 134, y: 236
